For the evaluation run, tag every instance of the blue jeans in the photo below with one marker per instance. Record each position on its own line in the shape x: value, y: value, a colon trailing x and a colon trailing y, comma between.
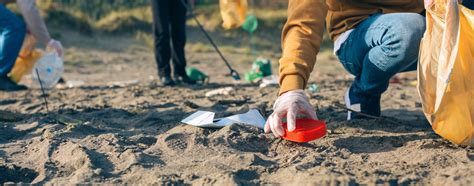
x: 469, y: 4
x: 378, y: 48
x: 12, y: 33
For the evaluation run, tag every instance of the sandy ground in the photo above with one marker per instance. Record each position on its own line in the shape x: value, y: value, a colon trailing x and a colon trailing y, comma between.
x: 133, y: 134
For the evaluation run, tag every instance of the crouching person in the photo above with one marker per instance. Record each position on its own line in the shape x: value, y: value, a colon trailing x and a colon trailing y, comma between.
x: 374, y: 40
x: 12, y: 34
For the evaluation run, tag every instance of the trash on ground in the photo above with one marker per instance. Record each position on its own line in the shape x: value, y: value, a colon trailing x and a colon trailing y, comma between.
x: 306, y: 130
x: 206, y: 119
x: 260, y: 68
x: 313, y: 88
x: 124, y: 83
x: 220, y: 91
x: 269, y: 81
x: 68, y: 121
x: 197, y: 75
x: 70, y: 84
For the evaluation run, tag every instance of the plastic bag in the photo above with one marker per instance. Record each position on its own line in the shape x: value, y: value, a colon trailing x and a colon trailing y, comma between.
x: 26, y: 59
x: 446, y: 68
x: 233, y: 13
x: 50, y: 68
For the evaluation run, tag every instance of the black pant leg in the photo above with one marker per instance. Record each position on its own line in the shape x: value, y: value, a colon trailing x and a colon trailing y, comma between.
x: 178, y: 36
x: 161, y: 32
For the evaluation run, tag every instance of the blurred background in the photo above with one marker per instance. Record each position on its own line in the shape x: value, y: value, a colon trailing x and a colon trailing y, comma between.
x: 114, y: 37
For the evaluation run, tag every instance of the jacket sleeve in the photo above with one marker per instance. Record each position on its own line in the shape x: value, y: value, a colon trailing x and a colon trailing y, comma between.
x: 301, y: 38
x: 34, y: 22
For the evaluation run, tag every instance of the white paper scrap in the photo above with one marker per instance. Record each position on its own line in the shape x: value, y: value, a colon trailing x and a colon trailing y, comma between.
x: 206, y: 119
x: 252, y: 117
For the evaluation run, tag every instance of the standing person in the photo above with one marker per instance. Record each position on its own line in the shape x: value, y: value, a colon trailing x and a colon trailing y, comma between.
x: 12, y: 34
x: 373, y: 39
x: 169, y: 21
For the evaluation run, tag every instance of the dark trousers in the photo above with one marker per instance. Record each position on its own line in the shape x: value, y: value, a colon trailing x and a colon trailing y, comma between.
x: 169, y: 24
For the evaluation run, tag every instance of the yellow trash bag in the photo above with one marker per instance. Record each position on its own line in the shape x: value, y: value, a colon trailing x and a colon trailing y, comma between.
x: 233, y: 13
x: 446, y: 70
x: 26, y: 59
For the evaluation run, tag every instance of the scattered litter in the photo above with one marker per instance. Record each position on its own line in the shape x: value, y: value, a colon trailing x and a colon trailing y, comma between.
x: 269, y: 81
x: 197, y: 75
x: 313, y: 88
x: 206, y: 119
x: 74, y: 83
x: 413, y: 83
x: 124, y: 83
x: 306, y: 130
x: 191, y: 104
x: 70, y: 84
x: 68, y: 121
x: 220, y: 91
x: 260, y: 68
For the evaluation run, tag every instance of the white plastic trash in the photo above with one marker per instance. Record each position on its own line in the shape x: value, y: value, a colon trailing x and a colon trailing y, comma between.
x: 220, y: 91
x: 50, y: 68
x: 206, y: 119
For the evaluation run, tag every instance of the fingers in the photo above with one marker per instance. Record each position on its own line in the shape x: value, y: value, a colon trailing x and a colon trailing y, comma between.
x: 267, y: 128
x: 57, y: 46
x: 291, y: 117
x: 59, y: 49
x: 309, y: 111
x: 288, y: 105
x: 60, y: 52
x: 276, y: 126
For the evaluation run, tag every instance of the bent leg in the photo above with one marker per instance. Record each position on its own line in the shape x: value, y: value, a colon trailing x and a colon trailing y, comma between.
x: 12, y: 33
x: 380, y: 47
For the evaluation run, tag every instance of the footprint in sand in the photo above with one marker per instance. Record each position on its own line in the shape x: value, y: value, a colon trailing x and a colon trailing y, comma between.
x: 177, y: 142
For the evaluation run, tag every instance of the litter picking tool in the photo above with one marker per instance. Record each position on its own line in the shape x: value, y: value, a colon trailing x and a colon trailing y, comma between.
x: 306, y: 130
x: 42, y: 91
x: 233, y: 72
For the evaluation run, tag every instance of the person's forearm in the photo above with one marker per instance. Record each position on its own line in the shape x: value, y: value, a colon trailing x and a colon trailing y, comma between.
x: 34, y: 22
x: 301, y: 38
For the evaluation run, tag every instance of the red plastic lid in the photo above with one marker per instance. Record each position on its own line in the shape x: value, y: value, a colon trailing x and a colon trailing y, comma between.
x: 306, y: 130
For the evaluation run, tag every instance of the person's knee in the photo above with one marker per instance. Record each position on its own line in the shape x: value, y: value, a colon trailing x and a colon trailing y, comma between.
x: 404, y: 39
x: 412, y: 27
